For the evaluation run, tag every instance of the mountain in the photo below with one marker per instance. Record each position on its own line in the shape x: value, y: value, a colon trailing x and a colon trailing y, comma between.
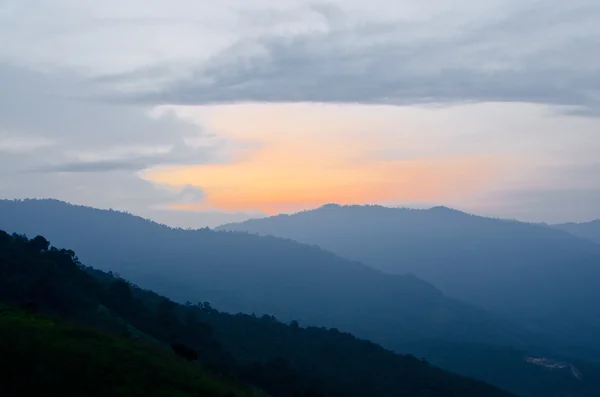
x: 238, y: 272
x: 587, y: 230
x: 81, y: 331
x: 310, y: 354
x: 543, y: 278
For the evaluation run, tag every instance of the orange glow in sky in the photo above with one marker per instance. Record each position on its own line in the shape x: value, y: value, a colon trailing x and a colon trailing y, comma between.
x: 300, y: 163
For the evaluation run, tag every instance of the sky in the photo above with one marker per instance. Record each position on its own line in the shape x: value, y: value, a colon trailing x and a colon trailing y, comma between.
x: 197, y: 113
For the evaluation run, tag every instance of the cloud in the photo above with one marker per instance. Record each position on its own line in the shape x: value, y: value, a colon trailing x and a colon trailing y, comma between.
x: 177, y: 154
x: 478, y: 157
x: 96, y: 166
x: 12, y: 143
x: 58, y: 144
x: 85, y: 120
x: 190, y: 195
x: 341, y: 51
x: 542, y: 53
x: 65, y: 113
x: 38, y: 110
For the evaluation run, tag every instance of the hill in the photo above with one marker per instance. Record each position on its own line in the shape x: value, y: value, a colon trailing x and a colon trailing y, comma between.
x: 285, y: 360
x: 587, y: 230
x: 552, y: 276
x: 43, y: 355
x: 237, y: 272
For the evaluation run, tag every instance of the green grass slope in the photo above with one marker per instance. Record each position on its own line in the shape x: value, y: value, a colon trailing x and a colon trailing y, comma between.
x: 43, y: 356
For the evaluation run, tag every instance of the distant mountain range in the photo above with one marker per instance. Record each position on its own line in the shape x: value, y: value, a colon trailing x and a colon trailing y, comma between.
x: 543, y: 278
x: 238, y: 272
x: 587, y: 230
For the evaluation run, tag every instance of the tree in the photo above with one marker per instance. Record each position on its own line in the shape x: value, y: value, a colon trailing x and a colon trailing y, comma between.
x: 166, y: 318
x: 39, y: 244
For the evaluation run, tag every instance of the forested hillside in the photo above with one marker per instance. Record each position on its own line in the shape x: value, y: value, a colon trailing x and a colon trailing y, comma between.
x: 284, y: 360
x: 46, y: 356
x: 264, y: 275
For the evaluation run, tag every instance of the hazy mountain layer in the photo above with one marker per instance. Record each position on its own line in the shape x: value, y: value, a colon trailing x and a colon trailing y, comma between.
x: 587, y: 230
x: 44, y: 355
x: 544, y: 278
x: 252, y: 274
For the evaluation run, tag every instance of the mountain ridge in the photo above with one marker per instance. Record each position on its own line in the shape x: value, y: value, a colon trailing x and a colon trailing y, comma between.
x: 586, y: 230
x: 241, y: 273
x: 468, y: 341
x: 286, y: 360
x: 472, y: 258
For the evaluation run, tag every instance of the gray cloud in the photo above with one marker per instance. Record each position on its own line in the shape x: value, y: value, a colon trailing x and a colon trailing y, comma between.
x: 56, y: 117
x: 96, y: 166
x: 64, y: 115
x: 190, y: 195
x: 543, y: 54
x: 87, y: 143
x: 178, y: 154
x: 55, y: 144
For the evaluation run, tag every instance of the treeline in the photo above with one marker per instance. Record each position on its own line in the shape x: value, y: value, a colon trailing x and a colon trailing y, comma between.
x: 284, y: 360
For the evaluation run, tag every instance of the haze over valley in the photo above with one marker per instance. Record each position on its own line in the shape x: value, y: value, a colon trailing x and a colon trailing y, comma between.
x: 300, y: 198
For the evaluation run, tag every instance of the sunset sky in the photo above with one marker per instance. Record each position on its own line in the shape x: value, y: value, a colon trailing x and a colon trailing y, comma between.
x: 198, y: 113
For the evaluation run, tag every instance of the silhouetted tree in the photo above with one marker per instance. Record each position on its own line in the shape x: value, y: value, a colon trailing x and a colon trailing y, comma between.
x: 39, y: 244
